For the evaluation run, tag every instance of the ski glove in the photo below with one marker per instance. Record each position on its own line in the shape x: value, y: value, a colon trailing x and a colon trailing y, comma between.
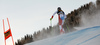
x: 51, y: 18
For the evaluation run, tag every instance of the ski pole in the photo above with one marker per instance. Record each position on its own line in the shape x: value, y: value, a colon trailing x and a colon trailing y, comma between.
x: 51, y: 23
x: 67, y: 28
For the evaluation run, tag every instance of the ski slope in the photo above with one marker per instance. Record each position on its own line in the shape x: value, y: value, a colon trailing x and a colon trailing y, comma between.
x: 88, y: 36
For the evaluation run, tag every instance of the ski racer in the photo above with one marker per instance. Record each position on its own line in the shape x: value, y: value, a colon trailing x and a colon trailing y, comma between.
x: 61, y: 17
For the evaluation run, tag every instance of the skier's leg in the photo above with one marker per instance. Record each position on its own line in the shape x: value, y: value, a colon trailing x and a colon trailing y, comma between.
x: 62, y: 26
x: 61, y: 29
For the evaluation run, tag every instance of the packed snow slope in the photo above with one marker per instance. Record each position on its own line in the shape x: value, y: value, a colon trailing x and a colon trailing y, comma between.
x: 88, y: 36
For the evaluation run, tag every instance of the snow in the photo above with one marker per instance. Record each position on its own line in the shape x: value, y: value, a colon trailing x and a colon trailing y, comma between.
x: 88, y: 36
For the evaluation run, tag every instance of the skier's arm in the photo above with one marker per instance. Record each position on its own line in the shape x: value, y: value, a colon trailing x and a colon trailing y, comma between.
x: 53, y: 15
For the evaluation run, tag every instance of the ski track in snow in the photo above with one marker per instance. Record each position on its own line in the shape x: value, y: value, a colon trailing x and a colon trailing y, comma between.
x: 88, y: 36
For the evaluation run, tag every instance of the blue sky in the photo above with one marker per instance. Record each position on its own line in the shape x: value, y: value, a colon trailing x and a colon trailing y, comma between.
x: 28, y: 16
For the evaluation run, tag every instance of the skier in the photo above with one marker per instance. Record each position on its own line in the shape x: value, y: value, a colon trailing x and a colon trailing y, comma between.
x: 61, y: 16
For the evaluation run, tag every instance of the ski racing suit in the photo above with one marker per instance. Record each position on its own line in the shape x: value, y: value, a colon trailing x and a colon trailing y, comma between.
x: 61, y: 17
